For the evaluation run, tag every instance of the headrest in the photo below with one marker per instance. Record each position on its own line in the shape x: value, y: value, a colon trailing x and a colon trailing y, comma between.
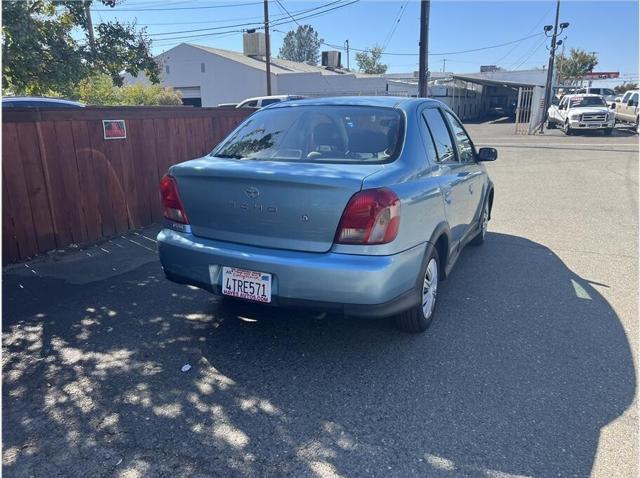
x: 326, y: 134
x: 367, y: 141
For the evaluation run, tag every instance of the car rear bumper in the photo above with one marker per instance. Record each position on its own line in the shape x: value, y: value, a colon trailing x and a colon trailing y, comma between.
x: 372, y: 286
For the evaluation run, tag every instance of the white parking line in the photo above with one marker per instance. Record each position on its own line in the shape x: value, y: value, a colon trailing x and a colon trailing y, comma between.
x: 570, y: 145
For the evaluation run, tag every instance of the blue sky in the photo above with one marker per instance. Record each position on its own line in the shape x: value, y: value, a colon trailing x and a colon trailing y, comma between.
x: 607, y: 27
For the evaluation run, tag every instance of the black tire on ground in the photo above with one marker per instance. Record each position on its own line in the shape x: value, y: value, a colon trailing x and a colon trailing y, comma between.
x: 551, y: 124
x: 608, y: 131
x: 413, y: 320
x: 567, y: 129
x: 637, y: 124
x: 478, y: 240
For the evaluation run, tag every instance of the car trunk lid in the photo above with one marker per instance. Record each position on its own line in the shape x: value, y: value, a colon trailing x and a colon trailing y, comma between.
x: 284, y: 205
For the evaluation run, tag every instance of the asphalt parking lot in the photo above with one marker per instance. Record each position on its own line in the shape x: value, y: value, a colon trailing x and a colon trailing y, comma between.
x: 528, y: 369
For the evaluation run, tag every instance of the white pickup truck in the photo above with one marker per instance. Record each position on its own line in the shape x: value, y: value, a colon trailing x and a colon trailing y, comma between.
x: 627, y: 109
x: 577, y: 112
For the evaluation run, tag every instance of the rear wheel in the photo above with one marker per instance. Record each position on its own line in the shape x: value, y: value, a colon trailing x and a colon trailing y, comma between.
x: 419, y: 317
x: 484, y: 222
x: 638, y: 124
x: 567, y: 129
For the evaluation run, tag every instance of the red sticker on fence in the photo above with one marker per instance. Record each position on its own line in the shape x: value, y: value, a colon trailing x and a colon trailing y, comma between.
x: 114, y: 129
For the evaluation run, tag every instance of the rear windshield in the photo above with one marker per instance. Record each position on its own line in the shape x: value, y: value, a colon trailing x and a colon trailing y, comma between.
x: 580, y: 101
x: 338, y: 134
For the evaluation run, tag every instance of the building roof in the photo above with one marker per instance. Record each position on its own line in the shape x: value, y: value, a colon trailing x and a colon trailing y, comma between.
x: 278, y: 66
x: 506, y: 78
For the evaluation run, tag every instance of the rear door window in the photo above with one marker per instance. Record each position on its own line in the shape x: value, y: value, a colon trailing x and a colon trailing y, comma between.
x: 463, y: 142
x: 440, y: 133
x: 270, y: 101
x: 250, y: 104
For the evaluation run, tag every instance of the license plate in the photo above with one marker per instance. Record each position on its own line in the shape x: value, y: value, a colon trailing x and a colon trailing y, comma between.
x: 244, y: 284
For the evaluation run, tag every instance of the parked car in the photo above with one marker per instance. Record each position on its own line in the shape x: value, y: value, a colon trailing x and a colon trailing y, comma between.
x: 227, y: 105
x: 626, y: 109
x: 38, y: 102
x: 586, y: 112
x: 360, y: 205
x: 262, y: 101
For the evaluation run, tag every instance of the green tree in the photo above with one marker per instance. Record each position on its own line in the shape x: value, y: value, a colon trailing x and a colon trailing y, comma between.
x: 144, y: 95
x: 47, y: 48
x: 301, y: 45
x: 571, y: 69
x: 39, y: 54
x: 98, y: 89
x: 624, y: 87
x: 369, y: 61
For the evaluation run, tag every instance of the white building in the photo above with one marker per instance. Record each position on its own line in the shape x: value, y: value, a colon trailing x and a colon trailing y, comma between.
x: 209, y: 76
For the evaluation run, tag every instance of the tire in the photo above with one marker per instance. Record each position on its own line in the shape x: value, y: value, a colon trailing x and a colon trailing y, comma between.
x: 637, y: 124
x: 608, y: 131
x: 478, y: 240
x: 551, y: 124
x: 419, y: 317
x: 566, y: 129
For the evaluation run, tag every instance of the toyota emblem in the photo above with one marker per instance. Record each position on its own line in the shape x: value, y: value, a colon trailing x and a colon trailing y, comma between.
x: 252, y: 193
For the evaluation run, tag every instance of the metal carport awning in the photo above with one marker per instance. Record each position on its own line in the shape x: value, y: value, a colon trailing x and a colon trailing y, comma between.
x: 495, y: 81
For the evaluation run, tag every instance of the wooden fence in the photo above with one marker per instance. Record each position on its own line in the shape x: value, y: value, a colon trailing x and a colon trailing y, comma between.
x: 63, y: 183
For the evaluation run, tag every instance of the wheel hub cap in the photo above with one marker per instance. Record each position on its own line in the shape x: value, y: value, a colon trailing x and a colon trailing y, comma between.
x: 429, y: 288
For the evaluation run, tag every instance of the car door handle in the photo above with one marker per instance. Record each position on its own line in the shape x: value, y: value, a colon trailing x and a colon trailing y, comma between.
x: 470, y: 189
x: 447, y: 195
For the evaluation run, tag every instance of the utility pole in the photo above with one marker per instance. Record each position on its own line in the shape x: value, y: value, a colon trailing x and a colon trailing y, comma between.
x: 444, y: 64
x: 87, y: 14
x: 423, y: 79
x: 267, y: 45
x: 346, y: 43
x: 552, y: 54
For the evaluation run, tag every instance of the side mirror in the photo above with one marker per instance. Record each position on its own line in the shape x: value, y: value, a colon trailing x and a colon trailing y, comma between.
x: 618, y: 100
x: 612, y: 106
x: 487, y: 154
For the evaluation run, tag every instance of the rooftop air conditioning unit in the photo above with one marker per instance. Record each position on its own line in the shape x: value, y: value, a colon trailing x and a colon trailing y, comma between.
x: 331, y: 59
x: 253, y: 44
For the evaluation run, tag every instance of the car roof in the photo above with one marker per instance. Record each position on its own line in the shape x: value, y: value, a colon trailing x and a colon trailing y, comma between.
x: 384, y: 101
x: 40, y: 98
x: 272, y: 97
x: 584, y: 95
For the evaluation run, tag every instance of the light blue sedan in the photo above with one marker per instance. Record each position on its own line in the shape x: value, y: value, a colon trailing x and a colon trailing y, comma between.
x: 355, y: 204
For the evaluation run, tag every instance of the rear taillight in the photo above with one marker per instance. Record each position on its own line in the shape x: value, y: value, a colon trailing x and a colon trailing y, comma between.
x: 372, y: 216
x: 173, y: 208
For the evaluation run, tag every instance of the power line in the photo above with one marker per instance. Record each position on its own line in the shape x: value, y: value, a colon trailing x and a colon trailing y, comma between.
x: 444, y: 53
x: 251, y: 24
x: 279, y: 21
x: 528, y: 33
x: 532, y: 53
x: 396, y: 22
x: 257, y: 17
x: 280, y: 5
x: 527, y: 54
x: 229, y: 5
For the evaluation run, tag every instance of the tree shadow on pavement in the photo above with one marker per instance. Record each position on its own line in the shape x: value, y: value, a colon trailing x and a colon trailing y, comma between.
x: 523, y: 366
